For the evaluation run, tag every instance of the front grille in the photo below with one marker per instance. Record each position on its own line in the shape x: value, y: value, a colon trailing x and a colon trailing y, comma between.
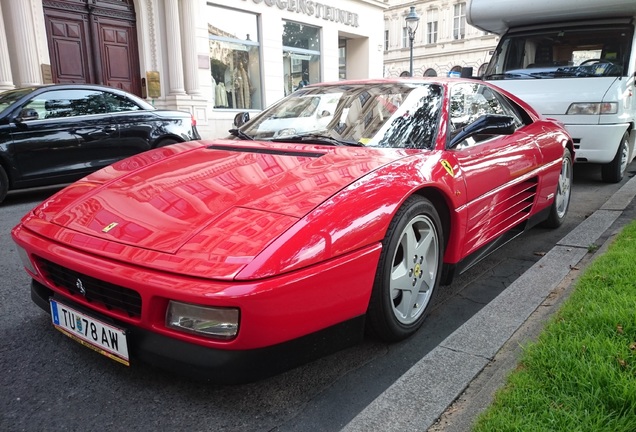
x: 110, y: 296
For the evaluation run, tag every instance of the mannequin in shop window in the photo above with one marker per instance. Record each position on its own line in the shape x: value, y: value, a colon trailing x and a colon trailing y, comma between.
x: 242, y: 88
x: 220, y: 93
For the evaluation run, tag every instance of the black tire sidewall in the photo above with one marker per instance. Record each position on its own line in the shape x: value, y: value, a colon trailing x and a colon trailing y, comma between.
x: 165, y: 142
x: 381, y: 318
x: 611, y: 172
x: 4, y: 184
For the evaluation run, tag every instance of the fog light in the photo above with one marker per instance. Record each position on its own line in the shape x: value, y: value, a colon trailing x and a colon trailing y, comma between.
x: 26, y: 261
x: 203, y: 320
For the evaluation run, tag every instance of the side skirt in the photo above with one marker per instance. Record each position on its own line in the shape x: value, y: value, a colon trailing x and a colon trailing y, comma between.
x: 450, y: 270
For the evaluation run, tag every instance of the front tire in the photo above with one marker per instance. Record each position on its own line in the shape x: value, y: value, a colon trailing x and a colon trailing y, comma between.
x: 561, y: 202
x: 614, y: 171
x: 408, y: 272
x: 4, y: 184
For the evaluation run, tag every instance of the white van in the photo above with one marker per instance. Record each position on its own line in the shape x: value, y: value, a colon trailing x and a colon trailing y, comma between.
x: 575, y: 61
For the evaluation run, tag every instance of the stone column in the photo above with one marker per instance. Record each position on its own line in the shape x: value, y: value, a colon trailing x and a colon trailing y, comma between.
x: 6, y: 80
x: 189, y: 14
x: 24, y: 37
x: 173, y: 39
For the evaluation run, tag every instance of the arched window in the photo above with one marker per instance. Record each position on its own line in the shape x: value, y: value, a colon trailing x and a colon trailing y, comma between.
x: 482, y: 69
x: 456, y: 69
x: 405, y: 74
x: 430, y: 72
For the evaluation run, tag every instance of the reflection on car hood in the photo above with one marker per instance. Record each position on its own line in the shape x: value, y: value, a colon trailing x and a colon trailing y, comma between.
x: 219, y: 196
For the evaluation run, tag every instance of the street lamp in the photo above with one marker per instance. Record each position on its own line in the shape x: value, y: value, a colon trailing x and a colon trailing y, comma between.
x: 412, y: 22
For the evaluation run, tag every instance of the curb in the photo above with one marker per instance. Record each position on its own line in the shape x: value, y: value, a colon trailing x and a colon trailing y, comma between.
x: 420, y: 396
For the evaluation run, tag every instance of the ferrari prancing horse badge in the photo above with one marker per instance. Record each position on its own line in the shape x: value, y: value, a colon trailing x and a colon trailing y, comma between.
x: 447, y: 166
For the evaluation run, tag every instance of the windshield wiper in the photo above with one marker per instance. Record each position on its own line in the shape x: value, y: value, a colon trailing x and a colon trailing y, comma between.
x: 317, y: 139
x: 511, y: 75
x: 240, y: 134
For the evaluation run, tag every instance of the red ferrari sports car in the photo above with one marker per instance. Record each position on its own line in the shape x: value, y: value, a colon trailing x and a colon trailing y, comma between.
x: 342, y: 207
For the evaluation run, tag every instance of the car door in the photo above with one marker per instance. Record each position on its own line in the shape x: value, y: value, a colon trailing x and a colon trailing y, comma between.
x: 135, y: 123
x: 68, y: 138
x: 497, y: 169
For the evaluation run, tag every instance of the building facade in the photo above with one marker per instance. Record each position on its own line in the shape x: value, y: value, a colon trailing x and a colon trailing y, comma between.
x: 443, y: 41
x: 211, y: 58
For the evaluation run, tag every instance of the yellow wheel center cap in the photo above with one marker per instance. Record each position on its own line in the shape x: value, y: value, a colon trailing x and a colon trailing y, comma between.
x: 417, y: 270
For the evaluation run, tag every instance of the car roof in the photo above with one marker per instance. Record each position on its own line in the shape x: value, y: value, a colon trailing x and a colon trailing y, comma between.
x: 81, y: 86
x: 405, y: 80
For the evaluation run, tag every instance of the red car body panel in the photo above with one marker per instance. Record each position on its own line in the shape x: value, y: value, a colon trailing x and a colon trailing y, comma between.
x: 272, y: 310
x: 288, y: 233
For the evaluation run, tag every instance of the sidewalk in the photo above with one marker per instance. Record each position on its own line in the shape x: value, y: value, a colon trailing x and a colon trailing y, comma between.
x: 477, y: 357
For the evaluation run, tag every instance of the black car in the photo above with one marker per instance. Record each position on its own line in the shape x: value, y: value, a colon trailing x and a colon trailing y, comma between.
x: 59, y: 133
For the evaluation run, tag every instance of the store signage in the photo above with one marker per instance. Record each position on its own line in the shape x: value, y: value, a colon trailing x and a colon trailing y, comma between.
x: 314, y: 8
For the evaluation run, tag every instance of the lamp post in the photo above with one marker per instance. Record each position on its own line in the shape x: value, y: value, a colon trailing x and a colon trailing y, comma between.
x: 412, y: 22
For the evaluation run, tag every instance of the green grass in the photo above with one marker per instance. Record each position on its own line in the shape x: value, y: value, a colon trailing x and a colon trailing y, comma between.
x: 580, y: 374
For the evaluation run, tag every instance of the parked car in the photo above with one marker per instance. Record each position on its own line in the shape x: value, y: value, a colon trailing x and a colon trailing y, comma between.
x: 59, y: 133
x: 238, y: 258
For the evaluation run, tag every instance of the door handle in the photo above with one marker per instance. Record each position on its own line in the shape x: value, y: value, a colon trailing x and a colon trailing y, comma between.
x: 109, y: 129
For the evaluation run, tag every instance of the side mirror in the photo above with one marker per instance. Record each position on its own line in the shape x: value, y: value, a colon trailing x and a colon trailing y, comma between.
x: 26, y: 115
x: 487, y: 124
x: 241, y: 118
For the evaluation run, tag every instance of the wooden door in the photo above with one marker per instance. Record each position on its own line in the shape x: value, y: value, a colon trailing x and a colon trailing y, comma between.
x: 94, y: 42
x: 119, y: 59
x: 69, y: 41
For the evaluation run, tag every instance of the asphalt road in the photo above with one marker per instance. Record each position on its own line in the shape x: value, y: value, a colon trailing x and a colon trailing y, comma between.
x: 50, y: 382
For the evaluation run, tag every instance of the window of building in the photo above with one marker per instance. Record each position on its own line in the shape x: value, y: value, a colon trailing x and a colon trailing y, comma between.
x: 459, y: 21
x: 430, y: 72
x: 482, y: 69
x: 301, y: 55
x: 431, y: 26
x: 386, y: 40
x: 342, y: 58
x: 405, y: 37
x: 234, y: 58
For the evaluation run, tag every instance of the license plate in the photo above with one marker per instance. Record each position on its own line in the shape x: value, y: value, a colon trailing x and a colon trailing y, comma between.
x: 90, y: 332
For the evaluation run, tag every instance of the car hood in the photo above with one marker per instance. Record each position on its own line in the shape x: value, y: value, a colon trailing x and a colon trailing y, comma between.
x: 553, y: 96
x: 226, y: 199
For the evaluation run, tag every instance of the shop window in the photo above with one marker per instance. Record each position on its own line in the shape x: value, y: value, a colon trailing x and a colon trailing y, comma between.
x: 301, y: 55
x: 234, y: 59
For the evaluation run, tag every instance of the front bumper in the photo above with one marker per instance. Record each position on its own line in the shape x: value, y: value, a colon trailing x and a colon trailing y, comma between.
x: 596, y: 143
x: 217, y: 365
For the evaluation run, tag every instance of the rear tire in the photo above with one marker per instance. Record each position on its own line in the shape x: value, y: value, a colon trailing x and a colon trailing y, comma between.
x: 614, y: 171
x: 166, y: 142
x: 562, y: 197
x: 4, y: 184
x: 408, y: 273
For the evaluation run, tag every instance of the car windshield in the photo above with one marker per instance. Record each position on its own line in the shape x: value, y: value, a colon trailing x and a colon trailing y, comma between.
x: 582, y: 52
x: 10, y: 96
x: 400, y: 115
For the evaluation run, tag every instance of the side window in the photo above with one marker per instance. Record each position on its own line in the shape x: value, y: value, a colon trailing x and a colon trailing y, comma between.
x: 468, y: 102
x: 67, y: 103
x: 117, y: 103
